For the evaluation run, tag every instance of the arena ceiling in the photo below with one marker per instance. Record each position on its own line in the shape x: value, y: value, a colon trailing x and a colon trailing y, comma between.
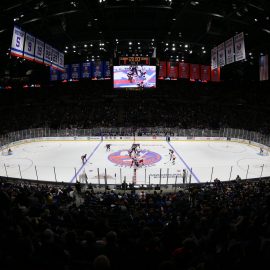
x: 186, y: 29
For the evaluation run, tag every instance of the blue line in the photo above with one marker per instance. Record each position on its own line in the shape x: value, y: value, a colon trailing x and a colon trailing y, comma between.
x: 74, y: 177
x: 197, y: 179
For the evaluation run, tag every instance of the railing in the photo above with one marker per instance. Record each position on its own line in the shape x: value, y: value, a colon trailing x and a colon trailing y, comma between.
x: 123, y: 131
x: 145, y: 176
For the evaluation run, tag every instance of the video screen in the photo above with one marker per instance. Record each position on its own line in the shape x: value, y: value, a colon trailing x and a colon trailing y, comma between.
x: 134, y: 76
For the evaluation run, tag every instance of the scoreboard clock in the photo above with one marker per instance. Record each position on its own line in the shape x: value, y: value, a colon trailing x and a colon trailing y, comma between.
x: 134, y: 60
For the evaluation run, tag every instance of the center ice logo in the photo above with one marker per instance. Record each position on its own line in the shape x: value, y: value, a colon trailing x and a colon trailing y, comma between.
x: 122, y: 158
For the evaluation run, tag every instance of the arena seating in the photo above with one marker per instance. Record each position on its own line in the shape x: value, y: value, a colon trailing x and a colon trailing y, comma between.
x: 218, y: 226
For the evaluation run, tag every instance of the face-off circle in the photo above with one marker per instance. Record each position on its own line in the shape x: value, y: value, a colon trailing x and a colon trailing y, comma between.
x: 122, y: 158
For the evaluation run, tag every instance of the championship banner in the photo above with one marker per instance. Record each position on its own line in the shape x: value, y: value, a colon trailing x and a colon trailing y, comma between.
x: 29, y: 47
x: 54, y: 74
x: 239, y: 47
x: 221, y: 55
x: 97, y: 69
x: 106, y: 69
x: 229, y: 51
x: 205, y: 73
x: 162, y: 70
x: 215, y: 75
x: 195, y: 72
x: 39, y: 51
x: 61, y: 61
x: 75, y: 71
x: 264, y: 67
x: 55, y: 58
x: 17, y: 42
x: 183, y: 70
x: 214, y: 58
x: 86, y: 70
x: 65, y: 75
x: 172, y: 69
x: 48, y: 54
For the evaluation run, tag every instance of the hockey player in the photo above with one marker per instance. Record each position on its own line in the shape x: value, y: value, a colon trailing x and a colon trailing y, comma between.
x: 9, y: 151
x: 83, y: 158
x: 108, y: 147
x: 184, y: 175
x: 173, y: 157
x: 141, y: 71
x: 133, y: 148
x: 171, y: 153
x: 131, y: 73
x: 261, y: 151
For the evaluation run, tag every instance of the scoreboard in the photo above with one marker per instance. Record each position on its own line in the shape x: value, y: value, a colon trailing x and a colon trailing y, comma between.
x: 134, y: 60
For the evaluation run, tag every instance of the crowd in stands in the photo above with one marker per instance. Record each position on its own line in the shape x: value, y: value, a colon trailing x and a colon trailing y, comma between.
x: 204, y: 227
x: 172, y: 104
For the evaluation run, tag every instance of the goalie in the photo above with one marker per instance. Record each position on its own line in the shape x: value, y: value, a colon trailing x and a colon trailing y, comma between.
x: 10, y: 151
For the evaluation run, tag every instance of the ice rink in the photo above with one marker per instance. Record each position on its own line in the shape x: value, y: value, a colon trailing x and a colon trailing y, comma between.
x: 203, y: 160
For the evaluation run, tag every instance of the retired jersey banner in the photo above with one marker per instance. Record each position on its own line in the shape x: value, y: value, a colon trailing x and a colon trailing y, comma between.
x: 239, y: 47
x: 172, y: 69
x: 215, y: 75
x: 205, y: 73
x: 97, y: 69
x: 75, y: 71
x: 221, y: 55
x: 183, y: 70
x: 106, y: 69
x: 162, y: 70
x: 29, y: 47
x: 61, y: 61
x: 86, y: 70
x: 194, y: 72
x: 39, y: 51
x: 229, y: 48
x: 48, y: 54
x: 55, y: 58
x: 65, y: 75
x: 214, y: 58
x: 263, y: 67
x: 17, y: 42
x: 54, y: 74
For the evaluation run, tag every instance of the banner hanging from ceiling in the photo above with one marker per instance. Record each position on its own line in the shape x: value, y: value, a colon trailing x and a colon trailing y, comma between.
x: 29, y: 47
x: 48, y: 54
x: 65, y: 75
x: 184, y: 70
x: 221, y: 55
x: 229, y: 48
x: 239, y: 47
x: 195, y: 72
x: 17, y: 42
x: 162, y: 70
x: 39, y: 51
x: 205, y: 73
x: 106, y: 69
x: 172, y: 69
x: 86, y: 70
x: 214, y: 58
